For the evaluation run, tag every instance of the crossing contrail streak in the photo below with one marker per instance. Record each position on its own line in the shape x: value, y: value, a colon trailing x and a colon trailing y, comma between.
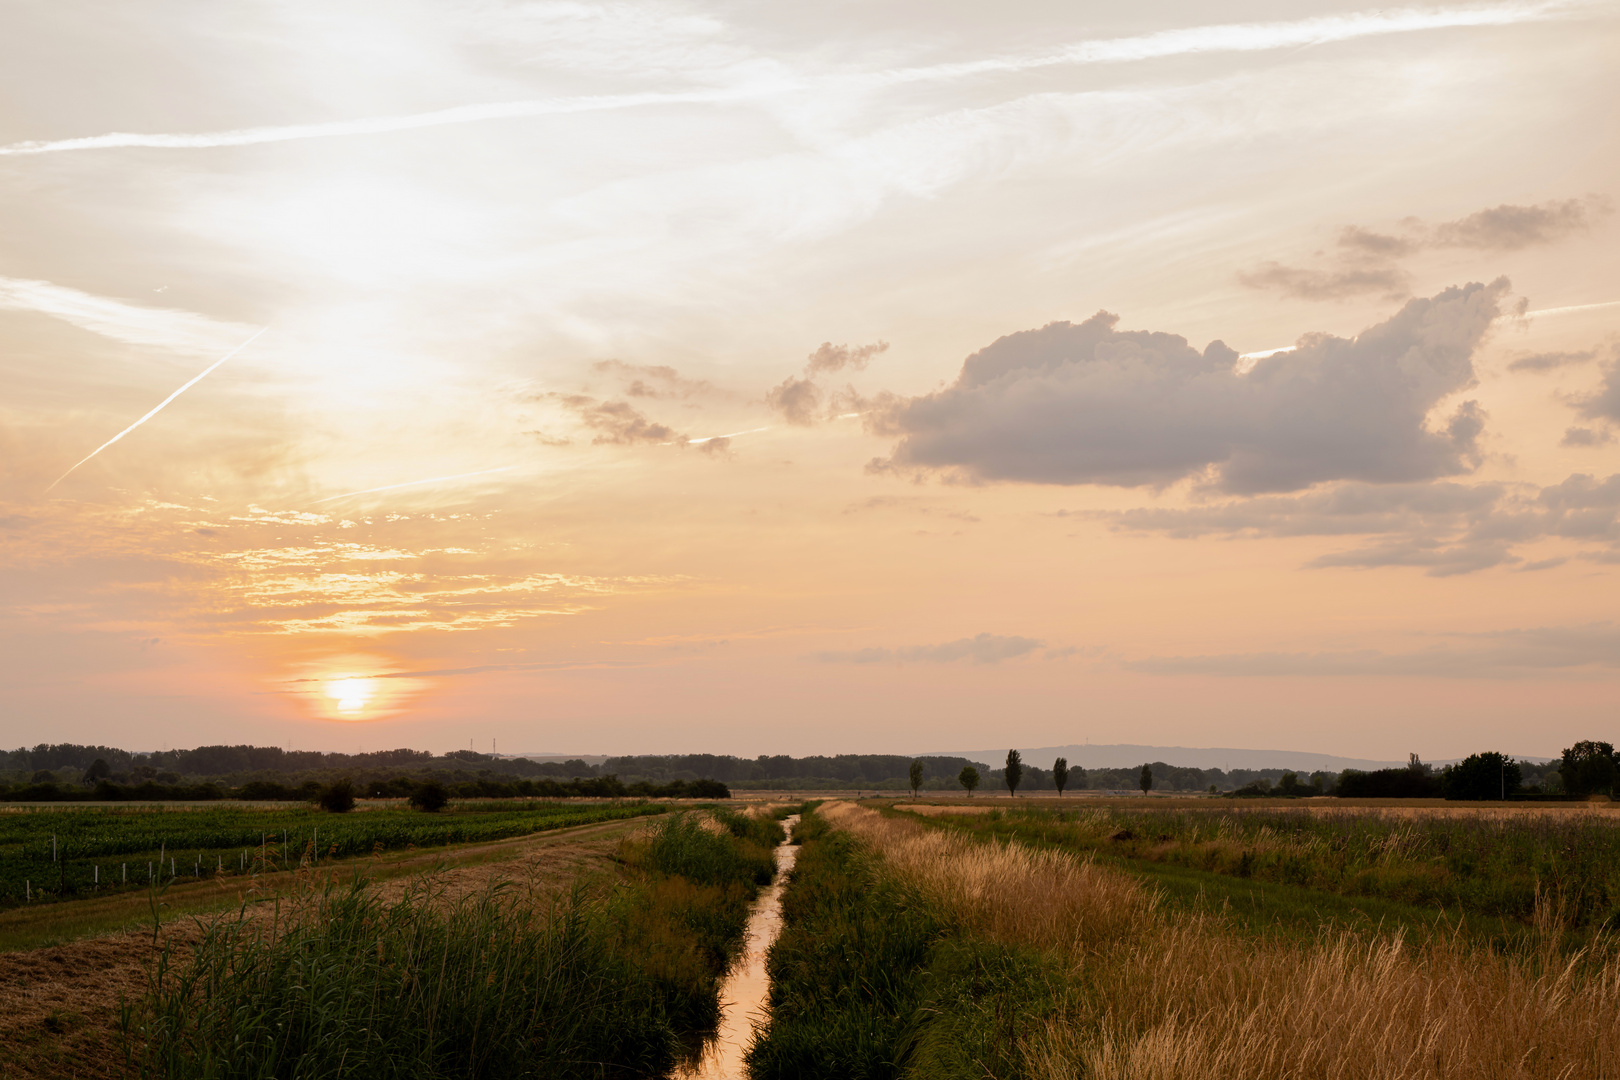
x: 412, y: 483
x: 160, y: 406
x: 1186, y: 41
x: 1543, y: 313
x: 461, y: 114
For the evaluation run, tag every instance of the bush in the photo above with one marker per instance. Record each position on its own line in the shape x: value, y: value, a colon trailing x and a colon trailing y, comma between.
x: 1387, y: 784
x: 337, y: 797
x: 429, y: 797
x: 1481, y: 776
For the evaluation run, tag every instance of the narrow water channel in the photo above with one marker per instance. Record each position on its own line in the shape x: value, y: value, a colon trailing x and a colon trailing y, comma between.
x: 743, y: 994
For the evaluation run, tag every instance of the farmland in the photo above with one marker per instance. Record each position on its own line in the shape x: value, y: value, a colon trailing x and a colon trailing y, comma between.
x: 55, y: 854
x: 1502, y: 866
x: 1015, y: 944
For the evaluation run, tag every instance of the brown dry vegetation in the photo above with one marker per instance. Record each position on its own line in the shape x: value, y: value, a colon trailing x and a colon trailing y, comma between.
x: 1152, y: 995
x: 59, y: 1006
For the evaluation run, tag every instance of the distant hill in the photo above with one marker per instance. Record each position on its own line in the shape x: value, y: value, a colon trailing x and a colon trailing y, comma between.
x: 1128, y: 755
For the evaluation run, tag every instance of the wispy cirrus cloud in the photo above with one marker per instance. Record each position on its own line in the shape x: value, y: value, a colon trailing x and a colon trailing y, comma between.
x: 981, y: 649
x: 752, y: 81
x: 1444, y: 528
x: 135, y: 324
x: 1501, y: 654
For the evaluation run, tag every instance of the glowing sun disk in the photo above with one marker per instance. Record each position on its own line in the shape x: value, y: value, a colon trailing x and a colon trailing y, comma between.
x: 351, y: 695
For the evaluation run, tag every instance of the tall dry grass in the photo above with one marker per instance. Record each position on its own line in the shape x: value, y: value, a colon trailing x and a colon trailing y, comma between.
x: 1154, y: 996
x: 1012, y: 894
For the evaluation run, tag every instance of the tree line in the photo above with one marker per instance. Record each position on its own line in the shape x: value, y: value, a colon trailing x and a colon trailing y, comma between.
x: 1585, y: 769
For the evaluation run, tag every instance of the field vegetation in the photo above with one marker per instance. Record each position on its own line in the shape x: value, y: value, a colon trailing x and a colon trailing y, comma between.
x: 617, y: 977
x: 1500, y: 866
x: 919, y: 949
x: 60, y: 853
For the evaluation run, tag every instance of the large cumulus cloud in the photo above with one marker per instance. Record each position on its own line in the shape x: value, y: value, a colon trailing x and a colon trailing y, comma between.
x: 1089, y: 404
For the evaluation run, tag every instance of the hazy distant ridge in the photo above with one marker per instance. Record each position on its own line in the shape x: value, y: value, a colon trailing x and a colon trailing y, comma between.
x: 1126, y: 755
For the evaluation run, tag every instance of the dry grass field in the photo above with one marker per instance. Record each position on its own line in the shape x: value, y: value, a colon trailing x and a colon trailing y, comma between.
x: 1122, y: 988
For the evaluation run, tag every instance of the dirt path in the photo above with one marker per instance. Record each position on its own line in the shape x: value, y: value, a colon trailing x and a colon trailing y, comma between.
x: 59, y: 1005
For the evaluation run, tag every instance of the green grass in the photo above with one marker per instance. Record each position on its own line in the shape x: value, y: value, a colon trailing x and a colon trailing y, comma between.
x: 121, y: 846
x: 1297, y: 867
x: 868, y: 982
x: 615, y: 979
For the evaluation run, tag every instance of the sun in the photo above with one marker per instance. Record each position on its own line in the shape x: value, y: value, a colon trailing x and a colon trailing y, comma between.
x: 351, y: 695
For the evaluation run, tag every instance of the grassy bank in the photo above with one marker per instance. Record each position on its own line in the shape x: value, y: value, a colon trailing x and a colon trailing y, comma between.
x: 911, y: 950
x: 616, y: 978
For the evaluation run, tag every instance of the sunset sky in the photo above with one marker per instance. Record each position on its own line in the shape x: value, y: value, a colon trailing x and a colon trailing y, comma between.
x: 847, y: 377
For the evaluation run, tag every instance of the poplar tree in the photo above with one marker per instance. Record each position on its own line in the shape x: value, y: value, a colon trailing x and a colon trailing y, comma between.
x: 1015, y: 771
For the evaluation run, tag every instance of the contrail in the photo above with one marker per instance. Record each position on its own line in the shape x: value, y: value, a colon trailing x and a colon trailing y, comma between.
x: 1222, y: 38
x: 1572, y: 307
x: 711, y: 438
x: 160, y: 406
x: 1240, y: 37
x: 461, y: 114
x: 1263, y: 353
x: 412, y: 483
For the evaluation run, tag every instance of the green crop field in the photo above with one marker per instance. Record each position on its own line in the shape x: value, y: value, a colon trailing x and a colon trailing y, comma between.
x: 49, y: 854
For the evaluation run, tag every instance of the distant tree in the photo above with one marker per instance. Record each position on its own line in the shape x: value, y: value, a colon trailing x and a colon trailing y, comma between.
x: 1060, y: 775
x: 337, y: 797
x: 1589, y: 768
x: 915, y: 775
x: 1288, y: 784
x: 98, y: 770
x: 1414, y: 764
x: 1481, y: 776
x: 968, y: 778
x: 1014, y: 772
x: 429, y: 797
x: 1146, y: 779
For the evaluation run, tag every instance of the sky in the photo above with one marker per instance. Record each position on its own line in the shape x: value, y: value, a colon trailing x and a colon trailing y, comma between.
x: 756, y: 378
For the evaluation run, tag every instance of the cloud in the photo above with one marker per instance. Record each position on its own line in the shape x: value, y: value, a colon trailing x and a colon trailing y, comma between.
x: 692, y: 47
x: 1302, y: 283
x: 1604, y: 404
x: 830, y: 357
x: 657, y: 381
x: 1551, y: 361
x: 798, y: 400
x: 1087, y: 404
x: 1445, y: 528
x: 1495, y: 654
x: 981, y: 649
x: 1510, y: 228
x: 1366, y: 259
x: 134, y: 324
x: 1580, y: 436
x: 1380, y: 245
x: 615, y: 422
